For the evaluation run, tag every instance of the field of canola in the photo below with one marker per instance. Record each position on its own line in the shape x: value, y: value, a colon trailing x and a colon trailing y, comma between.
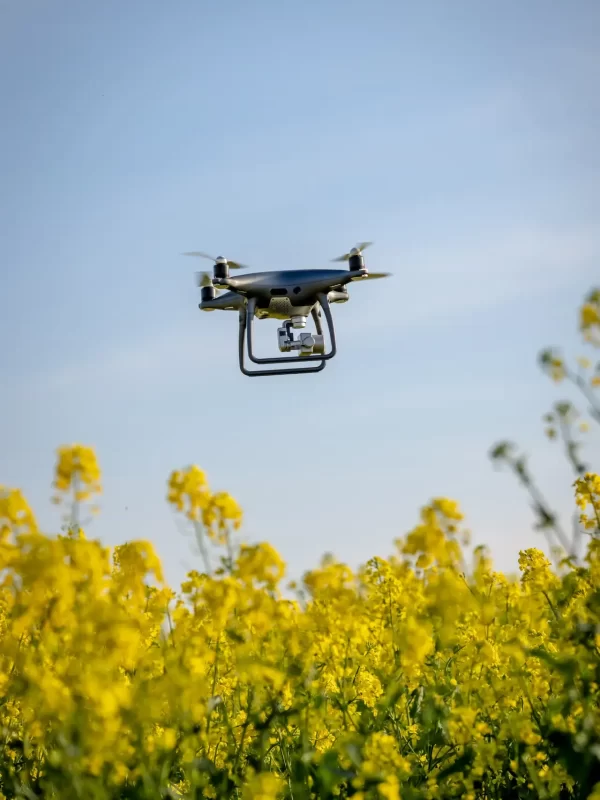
x: 426, y: 675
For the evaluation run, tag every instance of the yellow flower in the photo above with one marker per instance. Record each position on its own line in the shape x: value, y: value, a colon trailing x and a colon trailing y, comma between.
x: 77, y: 469
x: 595, y: 793
x: 263, y: 786
x: 382, y: 755
x: 389, y: 788
x: 461, y: 724
x: 589, y: 317
x: 557, y: 369
x: 189, y: 492
x: 109, y: 677
x: 260, y: 563
x: 15, y: 513
x: 587, y: 497
x: 168, y: 739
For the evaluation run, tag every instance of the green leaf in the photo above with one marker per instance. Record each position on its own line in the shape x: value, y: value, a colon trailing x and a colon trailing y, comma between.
x: 460, y: 764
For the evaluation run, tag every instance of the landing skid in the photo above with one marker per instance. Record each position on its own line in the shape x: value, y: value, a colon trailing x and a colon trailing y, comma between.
x: 245, y: 341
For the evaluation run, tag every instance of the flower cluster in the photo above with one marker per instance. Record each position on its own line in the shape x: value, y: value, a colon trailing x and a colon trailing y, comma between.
x: 587, y: 497
x: 15, y: 513
x: 424, y: 675
x: 589, y: 317
x: 76, y: 477
x: 190, y: 494
x: 77, y: 470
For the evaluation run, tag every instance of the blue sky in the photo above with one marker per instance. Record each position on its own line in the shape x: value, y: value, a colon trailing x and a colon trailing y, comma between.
x: 461, y: 137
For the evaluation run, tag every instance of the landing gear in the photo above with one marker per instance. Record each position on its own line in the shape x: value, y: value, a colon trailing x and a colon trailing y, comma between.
x: 310, y: 346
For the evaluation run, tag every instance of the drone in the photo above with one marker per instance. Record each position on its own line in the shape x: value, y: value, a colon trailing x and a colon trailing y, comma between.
x: 290, y: 296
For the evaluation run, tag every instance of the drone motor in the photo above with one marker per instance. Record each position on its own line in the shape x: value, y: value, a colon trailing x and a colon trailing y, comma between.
x: 356, y: 260
x: 221, y: 272
x: 221, y: 267
x: 207, y: 293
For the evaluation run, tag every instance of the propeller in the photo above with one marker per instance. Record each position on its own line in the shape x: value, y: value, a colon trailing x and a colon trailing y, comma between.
x: 356, y: 251
x: 232, y: 264
x: 204, y: 279
x: 372, y: 275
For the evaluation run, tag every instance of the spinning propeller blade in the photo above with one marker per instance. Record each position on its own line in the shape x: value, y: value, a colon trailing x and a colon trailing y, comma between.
x: 354, y: 252
x: 373, y: 275
x: 198, y: 254
x: 203, y: 279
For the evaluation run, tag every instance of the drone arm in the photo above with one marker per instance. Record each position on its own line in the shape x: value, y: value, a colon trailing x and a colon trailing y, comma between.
x: 352, y: 276
x: 225, y: 301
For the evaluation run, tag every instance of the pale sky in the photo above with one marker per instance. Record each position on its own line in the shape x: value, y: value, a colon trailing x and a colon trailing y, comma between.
x: 461, y: 137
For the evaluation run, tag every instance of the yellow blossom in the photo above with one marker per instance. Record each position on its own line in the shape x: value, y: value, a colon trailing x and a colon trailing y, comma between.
x: 425, y: 674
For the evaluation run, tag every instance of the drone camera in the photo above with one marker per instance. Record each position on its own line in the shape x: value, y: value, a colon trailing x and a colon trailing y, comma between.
x: 307, y: 344
x: 311, y: 343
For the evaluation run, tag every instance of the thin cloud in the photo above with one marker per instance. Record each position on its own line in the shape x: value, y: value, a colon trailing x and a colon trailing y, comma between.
x: 167, y: 352
x: 455, y: 278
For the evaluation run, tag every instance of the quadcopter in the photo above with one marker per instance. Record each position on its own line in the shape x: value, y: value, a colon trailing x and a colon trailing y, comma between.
x: 290, y: 296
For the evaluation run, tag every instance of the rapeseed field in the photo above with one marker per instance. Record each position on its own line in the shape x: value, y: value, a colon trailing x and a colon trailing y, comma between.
x: 425, y: 675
